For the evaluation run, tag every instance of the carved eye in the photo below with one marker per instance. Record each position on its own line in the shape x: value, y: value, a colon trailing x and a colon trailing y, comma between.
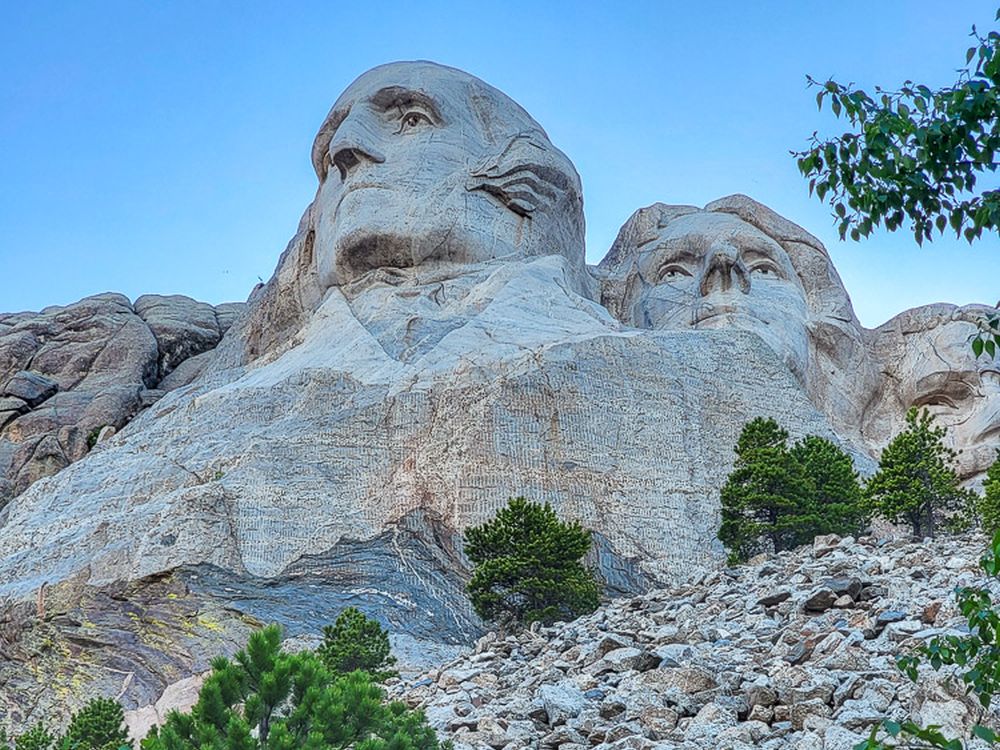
x: 766, y: 268
x: 412, y: 119
x: 673, y: 272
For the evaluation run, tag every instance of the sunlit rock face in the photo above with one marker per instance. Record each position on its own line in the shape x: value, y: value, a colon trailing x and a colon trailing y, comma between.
x: 927, y: 362
x: 736, y: 264
x: 431, y: 343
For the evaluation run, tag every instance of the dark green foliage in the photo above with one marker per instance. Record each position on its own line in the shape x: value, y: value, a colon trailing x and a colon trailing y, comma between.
x: 92, y: 437
x: 977, y: 653
x: 915, y: 482
x: 36, y: 738
x: 914, y: 153
x: 836, y: 497
x: 989, y: 506
x: 527, y: 566
x: 357, y: 642
x: 294, y: 703
x: 100, y: 725
x: 778, y: 498
x: 766, y: 499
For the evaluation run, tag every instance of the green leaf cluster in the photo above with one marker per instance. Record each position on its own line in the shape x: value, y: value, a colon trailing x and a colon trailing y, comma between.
x: 989, y: 506
x: 99, y: 725
x: 356, y: 642
x: 528, y: 566
x: 916, y: 482
x: 987, y: 339
x: 914, y: 153
x: 266, y: 698
x: 777, y: 497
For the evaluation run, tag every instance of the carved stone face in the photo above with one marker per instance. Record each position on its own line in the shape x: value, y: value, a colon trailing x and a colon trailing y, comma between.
x: 419, y: 162
x: 714, y: 270
x: 938, y: 370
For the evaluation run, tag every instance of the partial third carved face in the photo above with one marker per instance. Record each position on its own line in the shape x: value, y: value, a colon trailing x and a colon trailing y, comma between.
x: 714, y: 270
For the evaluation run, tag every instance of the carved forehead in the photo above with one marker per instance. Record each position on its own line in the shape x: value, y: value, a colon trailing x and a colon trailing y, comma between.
x: 709, y: 225
x: 458, y: 98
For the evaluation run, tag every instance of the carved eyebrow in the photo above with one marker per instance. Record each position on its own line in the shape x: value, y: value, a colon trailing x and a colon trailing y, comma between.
x: 394, y: 97
x: 671, y: 252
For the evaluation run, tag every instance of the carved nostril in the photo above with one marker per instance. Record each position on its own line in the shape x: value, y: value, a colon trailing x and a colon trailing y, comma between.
x: 345, y: 160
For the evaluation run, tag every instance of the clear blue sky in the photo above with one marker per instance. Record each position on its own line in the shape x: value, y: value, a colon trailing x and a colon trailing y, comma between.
x: 164, y: 147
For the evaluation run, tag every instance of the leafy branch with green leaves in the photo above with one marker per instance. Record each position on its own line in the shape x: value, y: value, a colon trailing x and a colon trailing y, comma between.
x: 913, y: 153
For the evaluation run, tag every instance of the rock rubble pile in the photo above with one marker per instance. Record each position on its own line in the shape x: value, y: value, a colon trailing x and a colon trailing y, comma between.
x: 795, y: 650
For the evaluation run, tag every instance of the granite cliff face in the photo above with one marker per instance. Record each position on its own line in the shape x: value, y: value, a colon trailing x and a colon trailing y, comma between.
x: 430, y: 344
x: 68, y: 373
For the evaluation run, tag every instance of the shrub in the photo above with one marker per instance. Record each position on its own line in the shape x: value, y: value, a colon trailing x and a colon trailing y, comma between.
x: 989, y: 506
x: 778, y: 498
x: 99, y: 725
x: 357, y: 642
x: 836, y: 498
x: 264, y: 698
x: 765, y: 498
x: 36, y: 738
x: 915, y: 482
x: 528, y: 568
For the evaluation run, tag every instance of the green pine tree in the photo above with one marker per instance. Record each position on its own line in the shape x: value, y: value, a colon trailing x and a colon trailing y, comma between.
x: 265, y: 698
x: 100, y: 725
x: 36, y: 738
x: 915, y: 482
x: 528, y: 567
x: 989, y: 505
x: 357, y: 642
x: 766, y: 499
x: 837, y: 500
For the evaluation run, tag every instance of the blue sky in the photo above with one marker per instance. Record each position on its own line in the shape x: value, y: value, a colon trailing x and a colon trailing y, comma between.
x: 164, y: 147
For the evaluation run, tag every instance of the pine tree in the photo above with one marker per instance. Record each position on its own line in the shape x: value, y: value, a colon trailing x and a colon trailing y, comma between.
x: 989, y: 505
x: 837, y: 501
x: 766, y: 499
x: 100, y: 725
x: 265, y: 698
x: 915, y: 482
x: 36, y: 738
x: 528, y: 568
x: 357, y: 642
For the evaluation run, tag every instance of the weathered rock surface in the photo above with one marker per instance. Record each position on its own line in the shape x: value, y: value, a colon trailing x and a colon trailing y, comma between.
x: 715, y: 672
x: 67, y: 372
x: 430, y: 344
x: 402, y: 374
x: 927, y: 362
x: 183, y: 327
x: 736, y: 264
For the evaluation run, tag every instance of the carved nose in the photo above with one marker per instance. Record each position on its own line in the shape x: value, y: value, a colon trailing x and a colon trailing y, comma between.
x: 723, y: 269
x: 352, y: 146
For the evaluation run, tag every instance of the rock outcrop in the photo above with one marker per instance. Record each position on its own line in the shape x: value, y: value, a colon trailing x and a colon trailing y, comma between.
x: 737, y: 265
x: 431, y: 343
x: 67, y: 372
x: 792, y: 651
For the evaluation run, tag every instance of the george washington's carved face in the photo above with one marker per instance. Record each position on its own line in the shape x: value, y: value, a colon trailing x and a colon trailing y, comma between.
x: 714, y: 270
x: 422, y: 163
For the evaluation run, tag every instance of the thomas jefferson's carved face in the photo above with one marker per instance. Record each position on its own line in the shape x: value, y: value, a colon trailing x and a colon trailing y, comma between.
x: 404, y: 161
x: 714, y: 270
